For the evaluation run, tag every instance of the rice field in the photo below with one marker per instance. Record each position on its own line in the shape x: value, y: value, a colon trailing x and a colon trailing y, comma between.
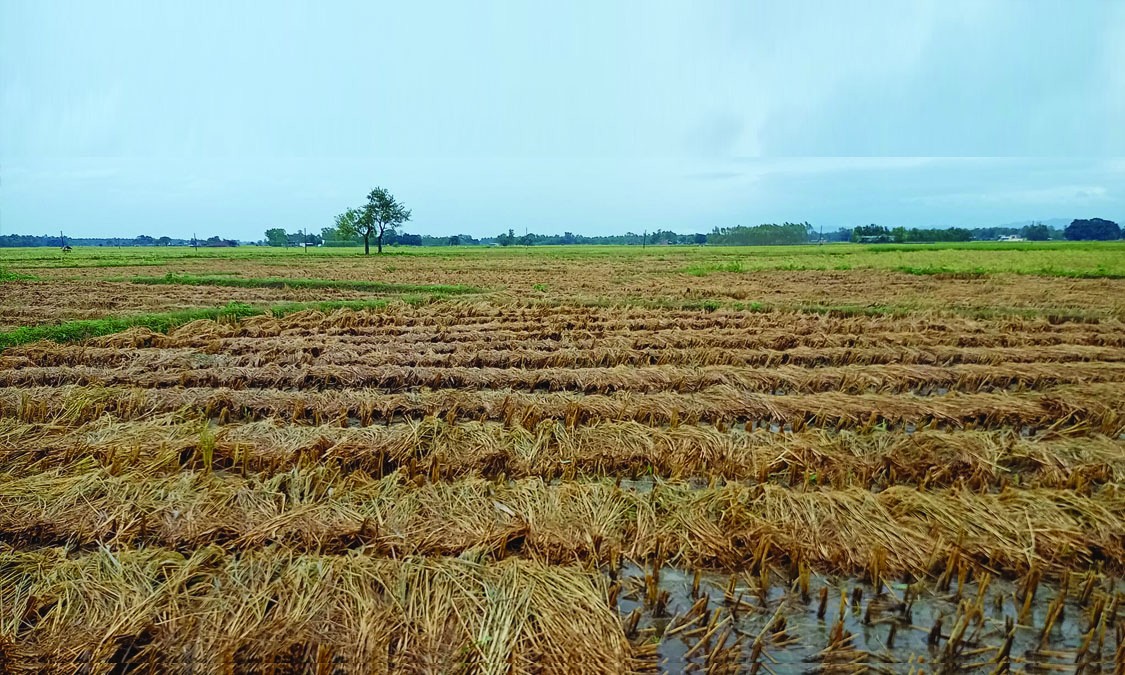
x: 631, y: 470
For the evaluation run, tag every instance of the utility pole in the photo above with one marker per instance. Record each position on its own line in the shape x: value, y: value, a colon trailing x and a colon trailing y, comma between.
x: 644, y: 239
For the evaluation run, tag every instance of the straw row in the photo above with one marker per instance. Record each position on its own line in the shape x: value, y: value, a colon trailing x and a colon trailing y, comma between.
x: 305, y: 350
x: 434, y: 449
x: 1100, y: 407
x: 157, y: 610
x: 391, y: 379
x: 495, y: 314
x: 318, y: 509
x: 770, y: 331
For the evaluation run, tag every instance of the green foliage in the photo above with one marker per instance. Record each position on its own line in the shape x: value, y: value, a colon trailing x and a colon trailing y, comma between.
x: 871, y: 233
x: 207, y: 447
x: 382, y: 212
x: 276, y: 236
x: 378, y: 217
x: 347, y: 227
x: 1036, y: 232
x: 7, y: 275
x: 1088, y: 259
x: 80, y: 330
x: 705, y: 269
x: 73, y: 331
x: 1096, y: 229
x: 761, y: 235
x: 878, y: 234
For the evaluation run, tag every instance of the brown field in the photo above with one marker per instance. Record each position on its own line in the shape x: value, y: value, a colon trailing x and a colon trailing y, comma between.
x: 66, y: 292
x: 593, y: 476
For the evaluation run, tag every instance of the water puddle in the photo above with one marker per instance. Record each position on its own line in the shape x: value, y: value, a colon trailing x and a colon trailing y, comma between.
x: 842, y: 625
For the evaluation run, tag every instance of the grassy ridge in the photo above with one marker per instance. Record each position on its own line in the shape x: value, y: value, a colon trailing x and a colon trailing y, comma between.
x: 86, y: 328
x: 277, y: 282
x: 163, y: 322
x: 7, y: 275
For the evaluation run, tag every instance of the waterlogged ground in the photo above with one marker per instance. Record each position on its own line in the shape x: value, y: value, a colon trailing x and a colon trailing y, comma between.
x: 906, y: 626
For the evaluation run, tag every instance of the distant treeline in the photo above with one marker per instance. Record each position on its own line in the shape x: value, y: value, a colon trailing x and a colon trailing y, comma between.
x: 762, y: 235
x: 330, y: 237
x: 28, y: 240
x: 769, y: 234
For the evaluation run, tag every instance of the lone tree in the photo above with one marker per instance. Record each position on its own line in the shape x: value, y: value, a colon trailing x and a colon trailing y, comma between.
x: 277, y: 237
x: 380, y: 213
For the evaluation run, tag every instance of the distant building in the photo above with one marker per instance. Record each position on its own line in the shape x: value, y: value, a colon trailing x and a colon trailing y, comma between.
x: 1010, y: 237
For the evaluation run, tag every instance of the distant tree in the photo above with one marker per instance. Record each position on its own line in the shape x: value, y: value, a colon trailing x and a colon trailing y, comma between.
x: 935, y: 234
x: 455, y: 240
x: 381, y: 212
x: 872, y: 232
x: 1092, y: 229
x: 405, y: 239
x: 1036, y: 232
x: 164, y: 241
x: 144, y: 240
x: 507, y: 239
x: 769, y: 234
x: 699, y: 239
x: 277, y: 237
x: 898, y: 235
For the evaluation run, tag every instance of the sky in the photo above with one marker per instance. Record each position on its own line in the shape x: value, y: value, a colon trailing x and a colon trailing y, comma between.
x: 206, y: 117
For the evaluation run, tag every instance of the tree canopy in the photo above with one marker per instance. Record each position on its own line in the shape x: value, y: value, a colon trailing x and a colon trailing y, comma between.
x: 1093, y: 228
x: 761, y: 235
x: 379, y: 216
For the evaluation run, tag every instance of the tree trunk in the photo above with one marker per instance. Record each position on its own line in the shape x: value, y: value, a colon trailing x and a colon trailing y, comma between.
x: 366, y: 245
x: 379, y: 243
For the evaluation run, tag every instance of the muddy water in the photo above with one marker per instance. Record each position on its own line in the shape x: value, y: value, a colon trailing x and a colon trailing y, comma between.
x: 885, y: 634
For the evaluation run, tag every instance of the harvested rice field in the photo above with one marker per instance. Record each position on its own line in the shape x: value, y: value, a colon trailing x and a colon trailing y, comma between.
x: 633, y: 468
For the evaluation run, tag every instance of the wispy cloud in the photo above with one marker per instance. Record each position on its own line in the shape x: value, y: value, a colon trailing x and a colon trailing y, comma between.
x: 1061, y: 195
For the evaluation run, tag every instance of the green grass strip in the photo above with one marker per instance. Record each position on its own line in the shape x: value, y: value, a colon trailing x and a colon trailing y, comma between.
x: 368, y: 286
x: 86, y: 328
x: 163, y: 322
x: 8, y: 275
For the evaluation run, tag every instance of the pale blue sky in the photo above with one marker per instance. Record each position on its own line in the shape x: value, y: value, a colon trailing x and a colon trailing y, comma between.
x: 230, y: 117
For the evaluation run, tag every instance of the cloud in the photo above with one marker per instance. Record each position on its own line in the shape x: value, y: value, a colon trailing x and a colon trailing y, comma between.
x: 714, y: 175
x: 716, y: 134
x: 1045, y: 196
